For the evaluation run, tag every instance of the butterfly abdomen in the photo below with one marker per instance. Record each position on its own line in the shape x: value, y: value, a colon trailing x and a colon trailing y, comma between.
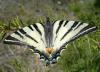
x: 48, y: 33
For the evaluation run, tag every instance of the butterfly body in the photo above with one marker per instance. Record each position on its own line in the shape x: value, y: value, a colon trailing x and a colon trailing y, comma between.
x: 49, y: 40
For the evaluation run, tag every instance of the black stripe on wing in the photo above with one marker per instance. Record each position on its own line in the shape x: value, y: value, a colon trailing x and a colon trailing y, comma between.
x: 30, y: 27
x: 74, y: 25
x: 38, y: 30
x: 23, y: 32
x: 60, y: 23
x: 87, y: 27
x: 78, y: 25
x: 66, y: 23
x: 81, y: 34
x: 84, y: 31
x: 17, y: 33
x: 16, y: 43
x: 12, y: 40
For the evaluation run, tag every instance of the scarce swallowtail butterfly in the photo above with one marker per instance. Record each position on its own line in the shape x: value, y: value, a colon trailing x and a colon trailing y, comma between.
x: 49, y: 39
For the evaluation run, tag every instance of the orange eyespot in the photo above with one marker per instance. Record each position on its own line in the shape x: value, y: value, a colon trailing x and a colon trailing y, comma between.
x: 49, y: 50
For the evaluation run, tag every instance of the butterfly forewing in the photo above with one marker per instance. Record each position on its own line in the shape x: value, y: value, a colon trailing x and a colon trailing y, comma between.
x: 32, y: 35
x: 67, y: 31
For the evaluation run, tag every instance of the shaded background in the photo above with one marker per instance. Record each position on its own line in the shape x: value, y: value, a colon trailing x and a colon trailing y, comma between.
x: 82, y: 55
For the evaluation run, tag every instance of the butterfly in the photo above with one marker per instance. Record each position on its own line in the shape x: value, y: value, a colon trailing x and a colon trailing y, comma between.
x: 49, y: 39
